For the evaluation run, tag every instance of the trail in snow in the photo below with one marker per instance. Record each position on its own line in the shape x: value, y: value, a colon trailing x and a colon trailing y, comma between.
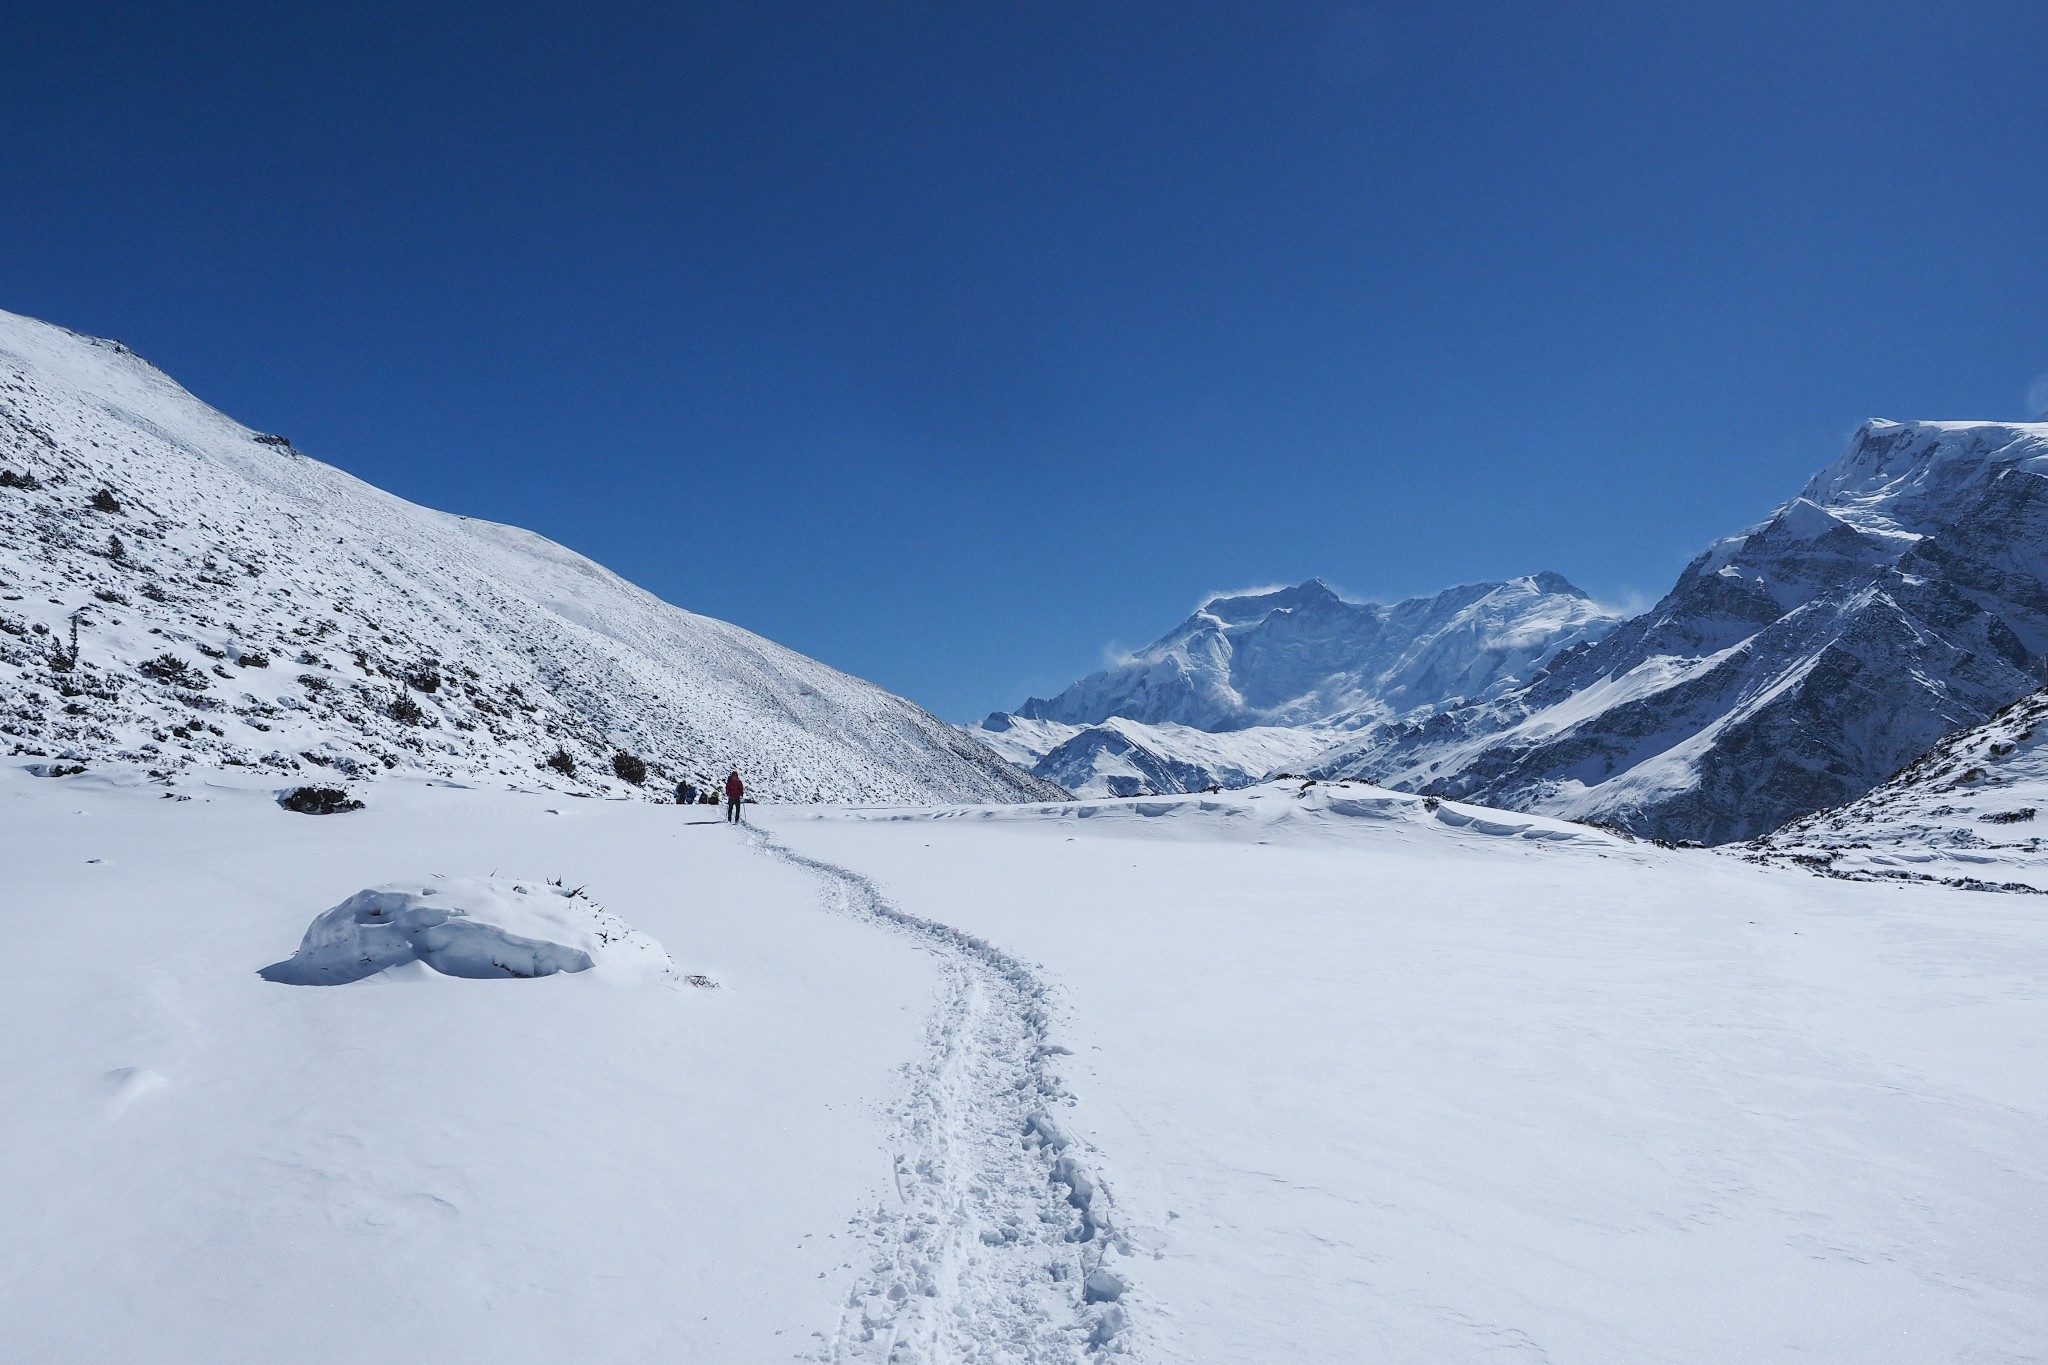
x: 999, y: 1245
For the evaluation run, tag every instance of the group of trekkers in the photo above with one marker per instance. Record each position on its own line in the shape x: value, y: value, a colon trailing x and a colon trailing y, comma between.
x: 689, y: 793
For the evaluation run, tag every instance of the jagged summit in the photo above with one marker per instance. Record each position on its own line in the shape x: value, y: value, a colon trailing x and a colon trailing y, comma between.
x: 1312, y: 595
x: 1907, y: 477
x: 237, y: 603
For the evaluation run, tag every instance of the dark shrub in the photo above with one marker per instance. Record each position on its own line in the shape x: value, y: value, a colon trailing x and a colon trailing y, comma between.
x: 562, y: 763
x: 253, y: 658
x: 115, y: 549
x: 424, y: 678
x: 105, y: 501
x: 405, y: 710
x: 169, y: 668
x: 318, y: 801
x: 10, y: 479
x: 630, y: 768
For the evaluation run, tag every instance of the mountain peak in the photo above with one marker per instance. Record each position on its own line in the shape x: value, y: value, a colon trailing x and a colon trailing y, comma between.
x: 1548, y: 580
x: 1314, y: 592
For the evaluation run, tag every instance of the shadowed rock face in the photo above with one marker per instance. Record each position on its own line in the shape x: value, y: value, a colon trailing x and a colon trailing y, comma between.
x: 1903, y: 595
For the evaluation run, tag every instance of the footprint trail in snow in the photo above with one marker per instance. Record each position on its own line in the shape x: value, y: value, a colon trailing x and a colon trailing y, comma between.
x: 997, y: 1243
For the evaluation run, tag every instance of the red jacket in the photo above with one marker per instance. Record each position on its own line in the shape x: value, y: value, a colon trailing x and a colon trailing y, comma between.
x: 734, y: 788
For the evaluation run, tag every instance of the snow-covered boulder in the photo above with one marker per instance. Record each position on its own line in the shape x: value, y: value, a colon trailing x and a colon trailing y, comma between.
x: 479, y: 927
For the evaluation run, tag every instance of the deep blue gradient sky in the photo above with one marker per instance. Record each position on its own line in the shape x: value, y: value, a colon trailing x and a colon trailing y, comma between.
x: 951, y: 343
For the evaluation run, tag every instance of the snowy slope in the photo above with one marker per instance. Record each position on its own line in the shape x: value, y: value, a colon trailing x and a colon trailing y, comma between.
x: 247, y: 605
x: 1968, y: 813
x: 1902, y: 595
x: 1256, y: 683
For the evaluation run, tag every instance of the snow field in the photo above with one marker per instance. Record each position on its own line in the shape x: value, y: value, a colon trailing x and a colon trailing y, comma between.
x: 1377, y: 1086
x: 204, y: 1166
x: 1313, y: 1073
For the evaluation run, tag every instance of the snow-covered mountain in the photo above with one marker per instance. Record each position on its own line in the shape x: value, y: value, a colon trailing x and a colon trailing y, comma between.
x: 1120, y: 757
x: 1902, y: 595
x: 1304, y: 655
x: 1968, y: 813
x: 177, y: 589
x: 1257, y: 682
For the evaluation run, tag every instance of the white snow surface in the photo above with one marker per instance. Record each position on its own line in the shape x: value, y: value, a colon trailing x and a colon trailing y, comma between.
x: 248, y: 605
x: 1303, y: 1072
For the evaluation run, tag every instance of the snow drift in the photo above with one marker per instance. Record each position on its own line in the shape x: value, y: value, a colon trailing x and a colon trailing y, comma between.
x: 479, y: 927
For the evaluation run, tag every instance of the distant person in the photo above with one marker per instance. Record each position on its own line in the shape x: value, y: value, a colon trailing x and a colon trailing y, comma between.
x: 686, y: 794
x: 735, y: 792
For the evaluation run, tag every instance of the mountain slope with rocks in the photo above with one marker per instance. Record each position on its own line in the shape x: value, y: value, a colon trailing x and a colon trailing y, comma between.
x: 1902, y: 595
x: 1968, y: 813
x: 178, y: 590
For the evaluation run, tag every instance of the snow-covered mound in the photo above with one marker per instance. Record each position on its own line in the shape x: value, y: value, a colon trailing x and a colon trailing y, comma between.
x: 1902, y: 595
x: 486, y: 928
x: 1969, y: 813
x: 238, y: 603
x: 1261, y: 682
x: 1121, y: 757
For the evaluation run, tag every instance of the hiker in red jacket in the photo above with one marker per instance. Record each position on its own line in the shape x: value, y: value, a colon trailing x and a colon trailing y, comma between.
x: 735, y: 792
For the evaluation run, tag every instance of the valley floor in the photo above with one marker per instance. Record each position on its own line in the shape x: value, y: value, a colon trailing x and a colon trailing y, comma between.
x: 1307, y: 1074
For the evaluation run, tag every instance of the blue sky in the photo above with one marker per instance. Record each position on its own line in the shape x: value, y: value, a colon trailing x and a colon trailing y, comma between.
x: 953, y: 343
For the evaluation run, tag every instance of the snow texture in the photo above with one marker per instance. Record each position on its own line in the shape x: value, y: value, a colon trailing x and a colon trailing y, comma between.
x: 178, y: 590
x: 1381, y: 1079
x: 994, y: 1245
